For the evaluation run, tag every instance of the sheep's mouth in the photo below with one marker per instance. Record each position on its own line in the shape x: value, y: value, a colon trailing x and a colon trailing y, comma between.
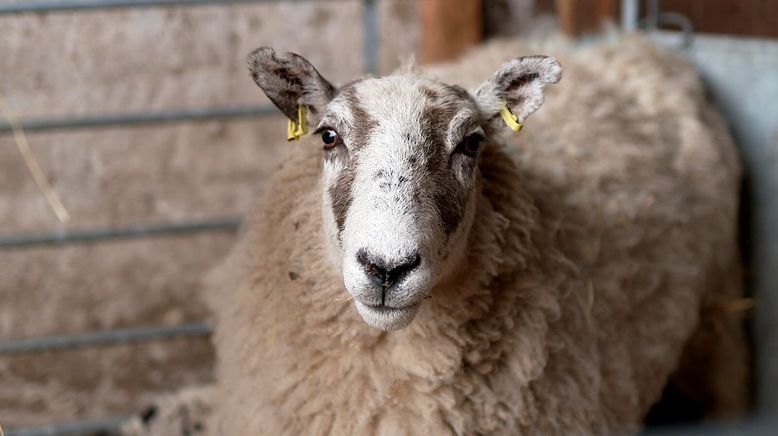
x: 385, y: 317
x: 383, y: 308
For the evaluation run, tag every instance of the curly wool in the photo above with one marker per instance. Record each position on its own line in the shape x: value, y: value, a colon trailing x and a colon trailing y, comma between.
x: 600, y: 233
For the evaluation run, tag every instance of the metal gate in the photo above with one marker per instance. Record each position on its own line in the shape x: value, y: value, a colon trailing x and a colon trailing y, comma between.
x: 93, y: 235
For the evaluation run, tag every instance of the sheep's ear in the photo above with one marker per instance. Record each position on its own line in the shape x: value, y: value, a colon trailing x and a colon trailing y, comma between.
x: 290, y: 80
x: 519, y: 84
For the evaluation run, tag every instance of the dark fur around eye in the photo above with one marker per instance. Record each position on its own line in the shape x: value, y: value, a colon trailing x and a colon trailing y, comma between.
x: 470, y: 145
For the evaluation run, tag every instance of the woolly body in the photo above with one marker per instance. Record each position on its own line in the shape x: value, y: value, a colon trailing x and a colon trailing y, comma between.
x: 596, y: 238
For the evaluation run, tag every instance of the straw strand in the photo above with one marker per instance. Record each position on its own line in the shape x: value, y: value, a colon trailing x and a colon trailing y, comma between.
x: 32, y: 164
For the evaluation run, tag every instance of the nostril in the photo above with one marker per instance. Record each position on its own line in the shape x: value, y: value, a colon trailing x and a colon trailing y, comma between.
x: 402, y: 268
x: 373, y: 268
x: 384, y: 273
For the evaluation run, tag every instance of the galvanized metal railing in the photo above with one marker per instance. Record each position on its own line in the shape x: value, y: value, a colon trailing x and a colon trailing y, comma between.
x: 131, y: 232
x: 104, y: 427
x: 103, y: 338
x: 9, y: 242
x: 140, y: 118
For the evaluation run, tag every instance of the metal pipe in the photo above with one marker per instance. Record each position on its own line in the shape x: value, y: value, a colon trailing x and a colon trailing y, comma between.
x: 630, y: 15
x: 370, y: 50
x: 370, y: 36
x: 140, y: 118
x: 86, y: 5
x: 138, y: 231
x: 683, y: 22
x: 97, y: 339
x: 80, y: 428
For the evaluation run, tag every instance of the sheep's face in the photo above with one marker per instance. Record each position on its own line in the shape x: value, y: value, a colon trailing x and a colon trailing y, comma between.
x: 400, y: 170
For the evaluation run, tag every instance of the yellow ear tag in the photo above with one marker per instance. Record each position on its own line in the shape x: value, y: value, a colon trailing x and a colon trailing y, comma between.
x: 296, y: 129
x: 510, y: 119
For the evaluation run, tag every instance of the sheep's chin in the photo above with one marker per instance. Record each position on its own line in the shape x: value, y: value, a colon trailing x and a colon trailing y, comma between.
x: 387, y: 319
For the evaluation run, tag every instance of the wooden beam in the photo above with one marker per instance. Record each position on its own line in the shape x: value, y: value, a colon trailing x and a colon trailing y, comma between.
x: 448, y: 28
x: 579, y: 17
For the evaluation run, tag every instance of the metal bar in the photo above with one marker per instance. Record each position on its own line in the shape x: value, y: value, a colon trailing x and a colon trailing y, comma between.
x: 139, y: 231
x: 80, y: 428
x: 140, y: 118
x: 96, y: 339
x: 85, y: 5
x: 370, y: 36
x: 684, y: 23
x: 630, y: 15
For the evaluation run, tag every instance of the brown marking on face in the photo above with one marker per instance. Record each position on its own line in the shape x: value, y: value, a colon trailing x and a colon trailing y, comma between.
x: 336, y: 153
x: 458, y: 92
x: 446, y: 196
x: 342, y: 196
x: 460, y: 131
x: 362, y: 125
x: 429, y: 93
x: 435, y: 121
x: 437, y: 115
x: 436, y: 118
x: 451, y: 209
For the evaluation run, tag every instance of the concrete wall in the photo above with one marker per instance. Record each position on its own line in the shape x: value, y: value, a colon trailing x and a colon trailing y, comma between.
x: 740, y: 74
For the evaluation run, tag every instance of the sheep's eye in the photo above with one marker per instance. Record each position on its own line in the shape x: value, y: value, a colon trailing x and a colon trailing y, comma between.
x: 470, y: 145
x: 330, y: 138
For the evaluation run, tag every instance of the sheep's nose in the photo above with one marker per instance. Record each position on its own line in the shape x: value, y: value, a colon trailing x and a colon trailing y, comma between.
x: 384, y: 273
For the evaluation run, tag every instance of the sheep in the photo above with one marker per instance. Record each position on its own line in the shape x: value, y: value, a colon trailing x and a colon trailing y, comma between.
x: 182, y: 413
x: 416, y: 268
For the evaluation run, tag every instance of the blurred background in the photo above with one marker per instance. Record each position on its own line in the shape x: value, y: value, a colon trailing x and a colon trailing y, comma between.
x: 146, y: 126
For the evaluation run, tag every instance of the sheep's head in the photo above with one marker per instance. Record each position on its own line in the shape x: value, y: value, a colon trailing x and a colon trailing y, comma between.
x: 400, y: 170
